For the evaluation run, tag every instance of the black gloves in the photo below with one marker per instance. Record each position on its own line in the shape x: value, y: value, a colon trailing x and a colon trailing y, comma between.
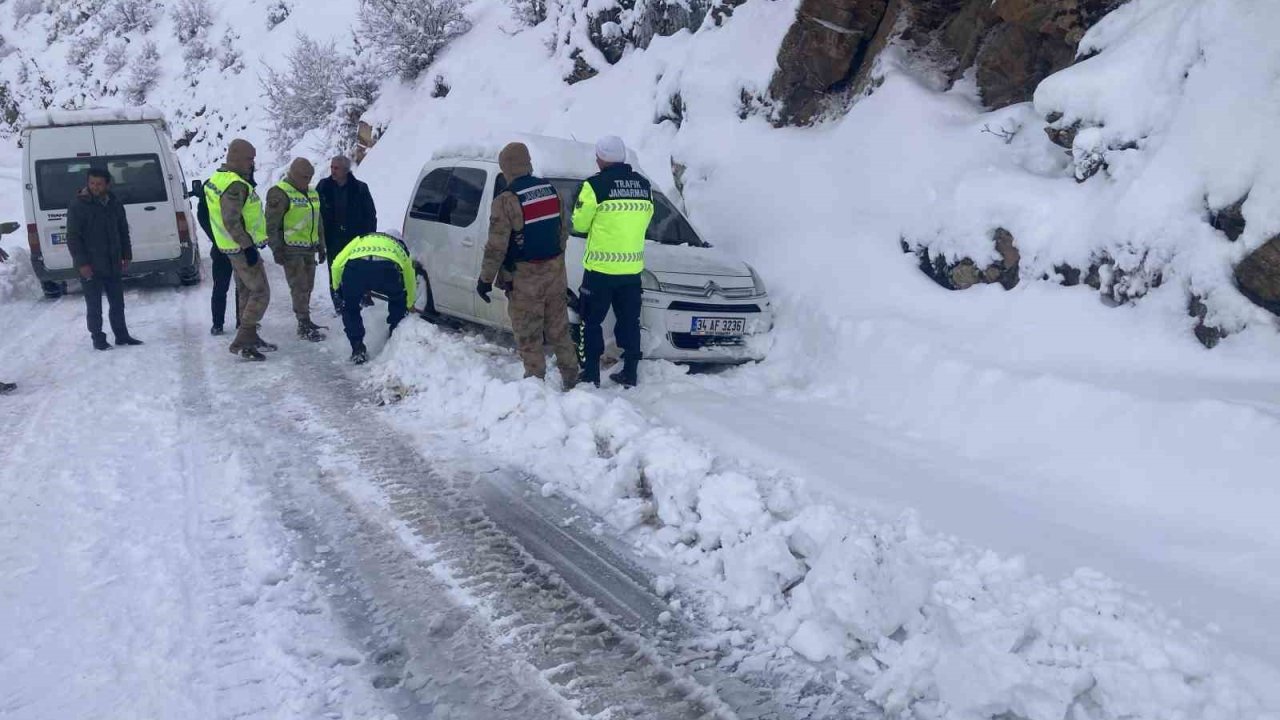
x: 483, y: 289
x: 251, y: 256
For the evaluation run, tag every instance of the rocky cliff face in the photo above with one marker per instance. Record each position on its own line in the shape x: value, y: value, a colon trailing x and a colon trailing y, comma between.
x: 829, y: 55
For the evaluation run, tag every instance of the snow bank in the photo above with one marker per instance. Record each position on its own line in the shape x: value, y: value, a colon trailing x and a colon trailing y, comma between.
x: 553, y: 157
x: 933, y: 626
x: 17, y: 279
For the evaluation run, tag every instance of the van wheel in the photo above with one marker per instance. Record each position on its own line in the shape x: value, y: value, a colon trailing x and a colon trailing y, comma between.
x: 425, y: 305
x: 53, y: 290
x: 189, y: 280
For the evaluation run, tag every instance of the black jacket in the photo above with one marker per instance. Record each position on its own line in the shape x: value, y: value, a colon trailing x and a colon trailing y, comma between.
x: 361, y: 217
x: 98, y: 234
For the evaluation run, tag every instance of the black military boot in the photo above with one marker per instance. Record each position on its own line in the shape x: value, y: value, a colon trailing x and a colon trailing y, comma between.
x: 628, y: 376
x: 308, y: 330
x: 216, y: 330
x: 359, y: 355
x: 264, y: 346
x: 100, y: 342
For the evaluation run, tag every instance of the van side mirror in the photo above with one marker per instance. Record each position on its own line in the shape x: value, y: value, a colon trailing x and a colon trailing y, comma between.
x: 197, y: 188
x: 9, y: 227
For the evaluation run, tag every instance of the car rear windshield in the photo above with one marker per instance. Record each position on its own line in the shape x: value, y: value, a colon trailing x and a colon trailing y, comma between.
x: 668, y: 227
x: 135, y: 179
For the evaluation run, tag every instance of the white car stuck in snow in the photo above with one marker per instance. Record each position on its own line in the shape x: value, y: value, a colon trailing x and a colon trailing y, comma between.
x: 700, y: 304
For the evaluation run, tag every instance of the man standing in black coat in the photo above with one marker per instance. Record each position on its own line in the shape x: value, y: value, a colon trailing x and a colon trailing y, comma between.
x: 98, y: 238
x: 346, y: 208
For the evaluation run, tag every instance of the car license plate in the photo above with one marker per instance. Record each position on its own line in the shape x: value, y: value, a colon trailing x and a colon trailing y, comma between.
x: 718, y: 326
x: 58, y: 238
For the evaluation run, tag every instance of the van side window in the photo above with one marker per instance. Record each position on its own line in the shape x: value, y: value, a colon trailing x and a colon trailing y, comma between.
x: 466, y: 189
x: 429, y: 198
x: 135, y: 179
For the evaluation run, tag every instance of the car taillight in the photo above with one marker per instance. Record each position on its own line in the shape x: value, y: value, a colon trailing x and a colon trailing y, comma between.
x: 184, y: 230
x: 33, y: 240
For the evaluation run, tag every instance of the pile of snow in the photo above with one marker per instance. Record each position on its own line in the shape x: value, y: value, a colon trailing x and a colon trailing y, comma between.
x: 933, y: 626
x: 552, y: 157
x: 17, y: 279
x: 87, y: 116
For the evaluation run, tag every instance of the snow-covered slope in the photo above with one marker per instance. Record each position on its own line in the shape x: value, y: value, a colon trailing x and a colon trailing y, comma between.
x: 817, y: 497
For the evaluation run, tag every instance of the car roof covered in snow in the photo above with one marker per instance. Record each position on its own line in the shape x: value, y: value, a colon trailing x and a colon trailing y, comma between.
x: 552, y: 157
x: 93, y: 116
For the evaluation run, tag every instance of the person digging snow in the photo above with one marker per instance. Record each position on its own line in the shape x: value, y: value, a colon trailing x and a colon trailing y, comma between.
x: 239, y: 230
x: 296, y: 236
x: 373, y: 263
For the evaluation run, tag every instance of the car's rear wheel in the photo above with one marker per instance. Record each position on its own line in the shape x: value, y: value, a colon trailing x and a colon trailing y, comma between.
x: 53, y: 290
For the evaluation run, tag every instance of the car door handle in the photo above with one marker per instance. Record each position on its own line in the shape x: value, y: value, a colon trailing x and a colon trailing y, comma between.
x: 149, y: 208
x: 468, y: 241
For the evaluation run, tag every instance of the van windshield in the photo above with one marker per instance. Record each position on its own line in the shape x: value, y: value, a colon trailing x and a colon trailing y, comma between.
x: 668, y: 227
x: 135, y: 179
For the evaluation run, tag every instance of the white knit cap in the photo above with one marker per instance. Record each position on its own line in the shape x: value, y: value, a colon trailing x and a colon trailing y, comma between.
x: 611, y: 149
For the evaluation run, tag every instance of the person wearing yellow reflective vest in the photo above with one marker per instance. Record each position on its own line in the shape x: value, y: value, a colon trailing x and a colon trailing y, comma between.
x: 239, y: 230
x: 373, y: 263
x: 296, y: 236
x: 614, y: 209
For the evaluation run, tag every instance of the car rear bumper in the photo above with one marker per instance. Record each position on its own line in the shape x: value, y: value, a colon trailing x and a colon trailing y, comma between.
x: 667, y: 325
x: 185, y: 261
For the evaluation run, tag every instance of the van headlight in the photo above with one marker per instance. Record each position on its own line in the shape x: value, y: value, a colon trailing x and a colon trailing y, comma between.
x: 759, y: 283
x: 649, y: 281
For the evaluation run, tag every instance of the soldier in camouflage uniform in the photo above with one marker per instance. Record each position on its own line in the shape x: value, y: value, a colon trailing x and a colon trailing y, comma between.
x: 295, y: 233
x: 528, y: 229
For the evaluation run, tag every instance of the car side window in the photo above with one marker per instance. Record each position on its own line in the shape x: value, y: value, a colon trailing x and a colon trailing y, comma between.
x: 429, y: 200
x: 462, y: 201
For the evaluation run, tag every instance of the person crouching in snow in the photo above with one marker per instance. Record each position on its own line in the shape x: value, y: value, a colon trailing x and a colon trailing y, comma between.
x: 296, y: 236
x: 373, y: 263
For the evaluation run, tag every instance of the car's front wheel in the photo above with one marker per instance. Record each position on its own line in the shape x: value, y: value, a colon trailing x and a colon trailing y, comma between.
x: 425, y: 302
x: 53, y: 290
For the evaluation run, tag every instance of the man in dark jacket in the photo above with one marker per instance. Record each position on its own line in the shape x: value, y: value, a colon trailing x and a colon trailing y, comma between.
x: 346, y: 208
x: 98, y: 238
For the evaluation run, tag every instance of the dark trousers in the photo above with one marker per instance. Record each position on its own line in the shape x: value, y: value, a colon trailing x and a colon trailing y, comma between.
x: 362, y: 276
x: 333, y: 246
x: 222, y: 275
x: 113, y: 288
x: 599, y: 294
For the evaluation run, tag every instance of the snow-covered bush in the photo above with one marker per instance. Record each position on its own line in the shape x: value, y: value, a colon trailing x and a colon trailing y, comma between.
x: 302, y: 96
x: 411, y: 33
x: 145, y: 74
x: 24, y: 10
x: 115, y: 57
x: 80, y: 54
x: 362, y: 76
x: 229, y: 57
x: 124, y: 16
x: 277, y: 13
x: 192, y: 19
x: 10, y: 114
x: 529, y: 12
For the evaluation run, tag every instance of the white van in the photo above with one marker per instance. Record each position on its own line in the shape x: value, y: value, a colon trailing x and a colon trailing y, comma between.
x: 700, y: 305
x: 133, y: 144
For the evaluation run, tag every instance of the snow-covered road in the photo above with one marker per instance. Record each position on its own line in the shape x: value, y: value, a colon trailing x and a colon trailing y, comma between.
x: 186, y: 535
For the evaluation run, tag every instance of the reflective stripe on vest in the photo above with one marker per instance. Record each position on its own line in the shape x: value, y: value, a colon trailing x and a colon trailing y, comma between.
x: 301, y: 221
x: 540, y: 208
x: 255, y: 221
x: 616, y: 243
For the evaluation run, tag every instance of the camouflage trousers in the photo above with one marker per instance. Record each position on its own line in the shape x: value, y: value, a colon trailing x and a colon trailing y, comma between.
x: 540, y: 316
x: 253, y: 295
x: 300, y: 272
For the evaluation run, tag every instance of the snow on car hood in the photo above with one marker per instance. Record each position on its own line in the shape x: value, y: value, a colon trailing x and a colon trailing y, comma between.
x: 683, y: 260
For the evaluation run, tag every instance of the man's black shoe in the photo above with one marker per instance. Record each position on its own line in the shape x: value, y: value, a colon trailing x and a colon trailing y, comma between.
x: 128, y: 340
